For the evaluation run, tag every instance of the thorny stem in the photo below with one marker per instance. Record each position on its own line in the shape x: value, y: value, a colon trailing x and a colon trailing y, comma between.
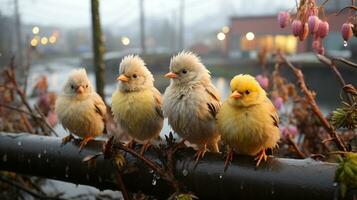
x: 315, y: 108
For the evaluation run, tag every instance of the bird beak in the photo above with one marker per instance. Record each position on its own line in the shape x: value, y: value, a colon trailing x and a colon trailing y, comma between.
x: 123, y: 78
x: 80, y: 89
x: 236, y: 95
x: 171, y: 75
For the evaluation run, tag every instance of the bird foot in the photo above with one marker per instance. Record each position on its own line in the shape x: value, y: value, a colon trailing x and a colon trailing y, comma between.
x: 67, y: 139
x: 260, y: 157
x: 200, y: 153
x: 84, y: 142
x: 145, y: 147
x: 131, y: 144
x: 229, y: 158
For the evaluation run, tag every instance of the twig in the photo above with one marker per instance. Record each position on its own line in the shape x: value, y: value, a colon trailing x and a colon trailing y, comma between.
x: 299, y: 153
x: 347, y: 7
x: 44, y: 119
x: 347, y: 62
x: 19, y: 110
x: 32, y: 193
x: 315, y: 108
x: 122, y: 187
x: 331, y: 63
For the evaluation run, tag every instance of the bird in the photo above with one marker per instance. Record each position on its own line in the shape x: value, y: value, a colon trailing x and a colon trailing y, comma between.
x: 191, y: 103
x: 248, y: 121
x: 136, y: 103
x: 80, y: 109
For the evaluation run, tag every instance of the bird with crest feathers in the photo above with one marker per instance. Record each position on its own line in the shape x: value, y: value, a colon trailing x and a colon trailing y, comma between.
x: 191, y: 102
x: 136, y: 104
x: 248, y: 121
x: 80, y: 109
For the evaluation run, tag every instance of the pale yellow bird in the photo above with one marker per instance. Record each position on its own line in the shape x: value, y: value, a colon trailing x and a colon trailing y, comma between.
x: 191, y: 102
x: 80, y: 109
x: 248, y: 121
x: 136, y: 104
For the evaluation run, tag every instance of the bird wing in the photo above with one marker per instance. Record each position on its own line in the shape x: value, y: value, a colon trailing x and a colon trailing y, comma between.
x: 214, y: 103
x: 158, y: 102
x: 273, y: 112
x: 100, y: 107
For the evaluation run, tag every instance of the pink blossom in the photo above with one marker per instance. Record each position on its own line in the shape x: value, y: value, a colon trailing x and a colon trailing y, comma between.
x: 346, y: 31
x: 296, y: 27
x: 290, y: 130
x: 313, y: 22
x: 323, y: 29
x: 263, y: 81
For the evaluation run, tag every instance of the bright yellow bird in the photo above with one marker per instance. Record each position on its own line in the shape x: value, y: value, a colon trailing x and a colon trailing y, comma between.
x: 248, y: 121
x: 136, y: 104
x: 80, y: 109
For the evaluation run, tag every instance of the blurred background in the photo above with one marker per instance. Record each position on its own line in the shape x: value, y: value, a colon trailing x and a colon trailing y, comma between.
x: 49, y: 38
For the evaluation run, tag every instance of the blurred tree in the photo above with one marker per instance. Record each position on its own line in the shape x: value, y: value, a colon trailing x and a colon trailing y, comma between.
x: 98, y: 49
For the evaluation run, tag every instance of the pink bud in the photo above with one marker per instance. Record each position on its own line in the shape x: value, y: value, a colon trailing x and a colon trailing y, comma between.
x: 346, y: 31
x: 304, y: 32
x: 313, y: 22
x: 316, y: 44
x: 283, y: 19
x: 293, y: 131
x: 278, y: 102
x: 296, y: 27
x: 323, y: 29
x: 263, y: 81
x: 321, y: 50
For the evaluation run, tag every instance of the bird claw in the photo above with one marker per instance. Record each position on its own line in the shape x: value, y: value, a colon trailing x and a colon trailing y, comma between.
x: 119, y: 160
x: 200, y: 153
x: 67, y: 139
x: 145, y: 147
x: 260, y: 157
x: 84, y: 142
x: 229, y: 158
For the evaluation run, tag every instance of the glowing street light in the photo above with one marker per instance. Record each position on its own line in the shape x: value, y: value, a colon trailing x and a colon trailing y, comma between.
x: 52, y: 39
x: 125, y: 41
x: 225, y: 29
x: 250, y: 36
x: 34, y: 42
x: 44, y: 40
x: 35, y: 30
x: 221, y: 36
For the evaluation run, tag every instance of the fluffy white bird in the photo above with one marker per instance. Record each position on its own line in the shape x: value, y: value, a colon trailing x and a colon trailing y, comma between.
x: 191, y: 102
x: 136, y: 104
x: 80, y: 109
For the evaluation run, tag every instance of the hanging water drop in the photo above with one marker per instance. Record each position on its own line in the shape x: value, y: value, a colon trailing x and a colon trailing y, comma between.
x: 154, y: 181
x: 335, y: 184
x: 185, y: 172
x: 151, y: 171
x: 19, y: 143
x: 345, y: 43
x: 220, y: 176
x: 39, y: 155
x: 44, y: 151
x: 4, y: 158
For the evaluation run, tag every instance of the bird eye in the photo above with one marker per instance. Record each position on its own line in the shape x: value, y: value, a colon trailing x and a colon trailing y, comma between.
x: 134, y: 76
x: 72, y: 86
x: 184, y: 71
x: 247, y: 92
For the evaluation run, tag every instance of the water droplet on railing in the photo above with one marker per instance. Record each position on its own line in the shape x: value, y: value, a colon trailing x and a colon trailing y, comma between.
x: 19, y: 143
x: 39, y: 155
x: 185, y: 172
x: 4, y: 158
x: 345, y: 43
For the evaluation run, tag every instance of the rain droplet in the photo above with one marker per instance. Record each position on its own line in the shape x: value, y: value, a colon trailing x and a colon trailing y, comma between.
x: 220, y: 176
x: 153, y: 181
x: 67, y: 170
x: 4, y: 158
x: 335, y: 184
x: 39, y: 155
x: 44, y: 151
x: 151, y: 171
x: 185, y: 172
x: 19, y: 143
x: 345, y: 43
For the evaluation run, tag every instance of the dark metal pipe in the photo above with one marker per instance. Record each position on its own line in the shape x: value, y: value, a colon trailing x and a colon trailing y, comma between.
x: 276, y: 179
